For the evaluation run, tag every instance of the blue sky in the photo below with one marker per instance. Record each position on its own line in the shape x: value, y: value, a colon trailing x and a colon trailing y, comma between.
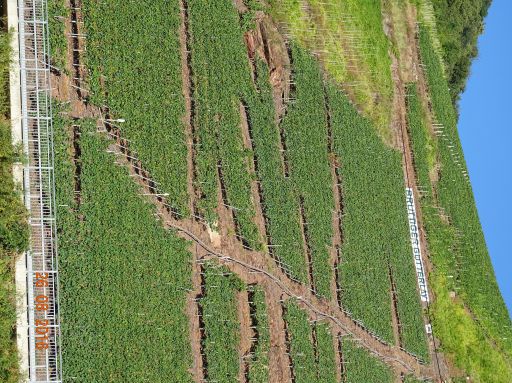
x: 485, y: 128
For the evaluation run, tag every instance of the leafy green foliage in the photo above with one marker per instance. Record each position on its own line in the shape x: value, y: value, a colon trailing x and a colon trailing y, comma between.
x: 301, y: 343
x: 58, y: 12
x: 470, y: 253
x: 133, y: 55
x: 122, y: 275
x: 305, y: 131
x: 13, y: 226
x: 458, y: 35
x: 326, y: 360
x: 259, y: 362
x: 279, y: 204
x: 361, y: 367
x: 222, y: 329
x: 309, y: 364
x: 221, y: 78
x: 374, y: 229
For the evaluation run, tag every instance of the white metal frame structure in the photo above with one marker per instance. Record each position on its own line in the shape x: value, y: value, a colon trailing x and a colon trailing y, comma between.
x: 41, y: 260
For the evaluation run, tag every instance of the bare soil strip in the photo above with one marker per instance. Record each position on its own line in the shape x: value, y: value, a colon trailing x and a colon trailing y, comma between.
x: 395, y: 318
x: 314, y: 338
x: 279, y: 357
x: 306, y: 244
x: 337, y: 215
x: 340, y: 361
x: 202, y: 354
x: 246, y: 334
x: 188, y: 93
x: 196, y: 327
x: 288, y: 345
x: 255, y: 334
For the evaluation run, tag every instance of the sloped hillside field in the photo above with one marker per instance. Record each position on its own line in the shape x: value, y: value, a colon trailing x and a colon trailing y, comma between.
x: 231, y: 186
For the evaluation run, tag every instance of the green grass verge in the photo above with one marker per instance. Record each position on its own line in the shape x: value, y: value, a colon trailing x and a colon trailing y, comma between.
x: 122, y: 276
x: 349, y: 37
x: 375, y: 229
x: 136, y: 71
x: 475, y: 346
x: 221, y: 326
x: 13, y: 226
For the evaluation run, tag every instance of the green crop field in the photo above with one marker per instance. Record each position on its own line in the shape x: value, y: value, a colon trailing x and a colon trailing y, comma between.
x: 305, y: 131
x: 362, y: 367
x: 123, y: 301
x: 222, y: 335
x: 141, y: 84
x: 259, y: 360
x: 247, y: 222
x: 311, y: 347
x: 373, y: 196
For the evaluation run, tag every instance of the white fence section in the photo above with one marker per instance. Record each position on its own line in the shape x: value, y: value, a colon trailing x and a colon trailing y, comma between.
x: 416, y: 246
x: 38, y: 178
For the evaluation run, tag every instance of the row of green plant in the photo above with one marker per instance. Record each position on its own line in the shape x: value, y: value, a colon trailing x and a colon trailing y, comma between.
x: 13, y: 226
x: 312, y: 362
x: 375, y: 231
x: 58, y: 13
x: 259, y: 360
x: 455, y: 196
x: 221, y: 325
x: 279, y: 204
x: 221, y: 78
x: 134, y: 63
x: 305, y: 132
x: 361, y: 367
x: 325, y: 353
x: 123, y: 277
x: 472, y: 344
